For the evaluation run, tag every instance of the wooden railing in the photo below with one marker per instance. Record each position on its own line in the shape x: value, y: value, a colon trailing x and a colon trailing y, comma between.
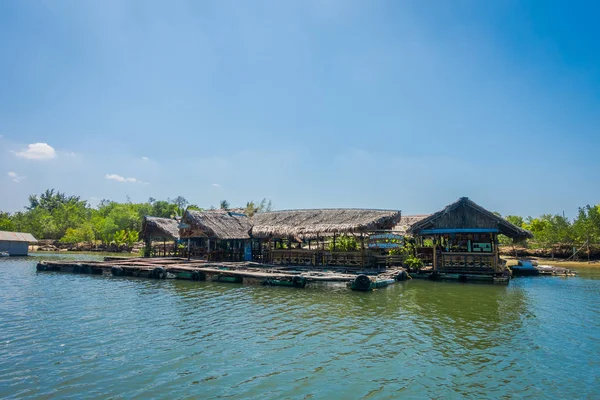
x: 472, y: 263
x: 318, y: 257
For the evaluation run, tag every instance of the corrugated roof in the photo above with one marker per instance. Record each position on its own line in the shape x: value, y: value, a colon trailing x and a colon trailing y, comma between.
x: 16, y: 237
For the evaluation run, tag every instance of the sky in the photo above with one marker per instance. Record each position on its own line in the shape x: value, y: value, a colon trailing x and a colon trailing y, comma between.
x: 403, y: 105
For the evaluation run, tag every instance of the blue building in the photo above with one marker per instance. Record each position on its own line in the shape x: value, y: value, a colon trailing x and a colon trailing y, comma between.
x: 15, y: 243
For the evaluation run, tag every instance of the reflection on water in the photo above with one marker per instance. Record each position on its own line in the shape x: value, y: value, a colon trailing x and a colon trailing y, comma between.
x: 63, y: 335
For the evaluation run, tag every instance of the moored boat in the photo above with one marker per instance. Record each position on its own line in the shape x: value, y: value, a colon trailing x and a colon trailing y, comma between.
x: 525, y: 268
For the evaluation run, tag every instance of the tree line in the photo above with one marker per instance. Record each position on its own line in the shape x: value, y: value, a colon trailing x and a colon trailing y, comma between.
x: 55, y: 215
x: 551, y: 231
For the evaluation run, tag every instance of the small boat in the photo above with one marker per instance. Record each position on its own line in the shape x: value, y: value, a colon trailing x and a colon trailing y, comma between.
x: 4, y: 254
x: 525, y: 268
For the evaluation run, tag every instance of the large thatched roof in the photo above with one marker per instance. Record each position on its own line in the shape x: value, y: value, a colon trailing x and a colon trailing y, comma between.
x: 154, y: 228
x: 323, y: 222
x: 407, y: 221
x: 465, y: 214
x: 216, y: 224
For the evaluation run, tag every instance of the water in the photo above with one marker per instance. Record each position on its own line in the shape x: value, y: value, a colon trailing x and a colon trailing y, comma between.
x: 83, y: 336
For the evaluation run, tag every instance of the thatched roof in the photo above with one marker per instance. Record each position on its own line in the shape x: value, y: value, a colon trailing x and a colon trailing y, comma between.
x: 465, y: 214
x: 407, y: 221
x: 216, y: 224
x: 160, y: 228
x: 323, y: 222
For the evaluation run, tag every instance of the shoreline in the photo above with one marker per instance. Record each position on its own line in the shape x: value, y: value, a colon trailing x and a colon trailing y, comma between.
x: 555, y: 263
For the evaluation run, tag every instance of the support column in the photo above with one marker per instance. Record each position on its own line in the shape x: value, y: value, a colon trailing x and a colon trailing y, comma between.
x: 434, y: 254
x: 362, y: 250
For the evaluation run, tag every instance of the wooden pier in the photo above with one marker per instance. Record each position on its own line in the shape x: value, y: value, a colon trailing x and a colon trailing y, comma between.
x: 230, y: 272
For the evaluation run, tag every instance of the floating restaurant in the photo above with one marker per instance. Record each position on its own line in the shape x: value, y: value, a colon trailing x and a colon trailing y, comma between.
x: 464, y: 242
x: 362, y: 248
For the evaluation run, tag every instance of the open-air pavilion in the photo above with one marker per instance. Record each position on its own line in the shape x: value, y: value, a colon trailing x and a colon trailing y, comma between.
x: 345, y: 237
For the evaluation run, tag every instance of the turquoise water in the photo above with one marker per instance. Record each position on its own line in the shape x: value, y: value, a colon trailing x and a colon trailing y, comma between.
x: 83, y: 336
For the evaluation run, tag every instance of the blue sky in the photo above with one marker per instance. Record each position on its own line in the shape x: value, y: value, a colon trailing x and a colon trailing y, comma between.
x: 385, y: 104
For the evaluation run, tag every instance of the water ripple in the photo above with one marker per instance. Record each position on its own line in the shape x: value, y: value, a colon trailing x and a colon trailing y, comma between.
x: 66, y: 335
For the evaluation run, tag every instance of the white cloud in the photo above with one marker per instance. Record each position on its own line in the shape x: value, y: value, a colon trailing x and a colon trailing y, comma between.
x: 38, y: 151
x: 215, y: 185
x: 15, y: 177
x: 145, y: 158
x: 123, y: 179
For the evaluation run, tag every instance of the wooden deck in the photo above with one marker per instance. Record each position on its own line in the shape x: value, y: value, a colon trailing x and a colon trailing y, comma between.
x: 235, y: 272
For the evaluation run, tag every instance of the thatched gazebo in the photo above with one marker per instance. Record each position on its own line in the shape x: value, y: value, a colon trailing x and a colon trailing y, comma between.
x: 155, y: 229
x: 217, y: 234
x: 464, y: 238
x: 288, y: 232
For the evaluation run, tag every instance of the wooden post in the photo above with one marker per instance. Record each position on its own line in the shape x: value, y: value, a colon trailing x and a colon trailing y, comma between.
x: 189, y: 255
x: 362, y: 250
x: 434, y: 254
x: 334, y: 234
x: 164, y: 248
x: 496, y: 253
x: 317, y: 253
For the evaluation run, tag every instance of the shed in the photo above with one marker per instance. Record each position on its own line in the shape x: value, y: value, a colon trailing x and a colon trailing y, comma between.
x: 16, y: 243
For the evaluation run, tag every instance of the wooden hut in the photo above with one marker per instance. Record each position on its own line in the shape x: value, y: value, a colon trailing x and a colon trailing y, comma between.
x: 464, y: 239
x: 162, y: 230
x: 218, y: 235
x: 314, y: 237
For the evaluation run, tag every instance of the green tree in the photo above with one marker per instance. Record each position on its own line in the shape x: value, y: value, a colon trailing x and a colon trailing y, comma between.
x: 586, y: 227
x: 6, y: 223
x: 84, y: 233
x: 120, y: 237
x: 515, y: 220
x: 224, y: 205
x: 132, y: 238
x: 104, y: 228
x: 180, y: 202
x: 253, y: 207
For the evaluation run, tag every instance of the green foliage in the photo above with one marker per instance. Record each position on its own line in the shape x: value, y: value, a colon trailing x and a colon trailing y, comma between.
x: 224, y: 205
x: 344, y: 243
x: 6, y: 223
x: 587, y: 225
x: 85, y: 233
x: 180, y: 202
x: 413, y: 263
x: 515, y: 220
x: 132, y: 238
x: 262, y: 206
x: 120, y: 237
x: 104, y: 228
x: 55, y: 215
